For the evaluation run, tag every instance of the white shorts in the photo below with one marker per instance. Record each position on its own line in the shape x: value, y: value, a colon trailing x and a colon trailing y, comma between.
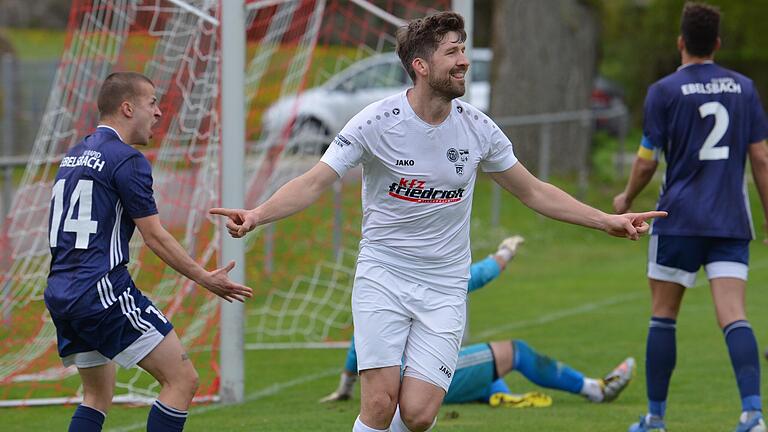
x: 128, y: 358
x: 399, y: 321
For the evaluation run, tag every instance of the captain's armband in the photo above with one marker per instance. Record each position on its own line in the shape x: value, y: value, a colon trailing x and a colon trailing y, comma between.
x: 647, y: 150
x: 646, y: 153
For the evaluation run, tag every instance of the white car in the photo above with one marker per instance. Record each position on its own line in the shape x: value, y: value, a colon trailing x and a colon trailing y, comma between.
x: 322, y: 111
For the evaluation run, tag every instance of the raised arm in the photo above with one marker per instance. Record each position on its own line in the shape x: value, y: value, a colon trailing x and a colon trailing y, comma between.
x: 758, y: 159
x: 165, y: 246
x: 556, y: 204
x: 292, y: 197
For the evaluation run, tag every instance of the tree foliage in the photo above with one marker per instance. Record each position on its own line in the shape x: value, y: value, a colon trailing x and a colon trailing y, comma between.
x: 639, y: 42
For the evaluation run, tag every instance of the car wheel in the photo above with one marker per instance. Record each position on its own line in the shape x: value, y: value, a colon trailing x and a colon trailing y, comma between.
x: 309, y: 136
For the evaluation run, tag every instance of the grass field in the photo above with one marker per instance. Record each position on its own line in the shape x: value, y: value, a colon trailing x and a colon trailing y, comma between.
x: 574, y: 294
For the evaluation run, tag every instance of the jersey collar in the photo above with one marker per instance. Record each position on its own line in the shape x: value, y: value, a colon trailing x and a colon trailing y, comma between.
x: 699, y: 63
x: 103, y: 126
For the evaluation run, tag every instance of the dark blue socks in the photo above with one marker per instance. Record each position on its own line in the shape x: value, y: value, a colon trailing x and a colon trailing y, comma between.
x: 660, y: 358
x: 163, y: 418
x: 746, y: 363
x: 86, y: 419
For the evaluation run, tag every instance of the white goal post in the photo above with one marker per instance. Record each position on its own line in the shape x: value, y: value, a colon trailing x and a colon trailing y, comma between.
x: 218, y: 67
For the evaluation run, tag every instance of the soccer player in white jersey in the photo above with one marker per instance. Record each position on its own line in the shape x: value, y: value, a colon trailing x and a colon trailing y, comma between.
x: 420, y: 151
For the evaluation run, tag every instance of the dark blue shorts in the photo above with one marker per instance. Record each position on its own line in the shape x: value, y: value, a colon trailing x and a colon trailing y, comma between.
x: 125, y: 332
x: 678, y: 258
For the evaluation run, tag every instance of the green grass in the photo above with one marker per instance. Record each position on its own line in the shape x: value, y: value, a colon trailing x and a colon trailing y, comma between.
x: 35, y: 43
x: 574, y: 294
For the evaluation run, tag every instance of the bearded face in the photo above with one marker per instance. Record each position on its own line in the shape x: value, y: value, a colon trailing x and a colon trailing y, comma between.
x: 447, y: 67
x: 447, y: 81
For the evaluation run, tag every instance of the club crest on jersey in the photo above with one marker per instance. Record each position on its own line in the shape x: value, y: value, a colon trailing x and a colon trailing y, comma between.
x: 452, y: 154
x: 464, y: 155
x: 460, y: 169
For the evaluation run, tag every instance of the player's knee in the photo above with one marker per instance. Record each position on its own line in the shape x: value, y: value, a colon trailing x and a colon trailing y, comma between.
x: 185, y: 381
x: 417, y: 420
x: 381, y: 405
x: 191, y: 380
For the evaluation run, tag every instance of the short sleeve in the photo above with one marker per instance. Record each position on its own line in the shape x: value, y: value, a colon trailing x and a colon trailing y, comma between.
x: 346, y: 151
x: 758, y: 124
x: 133, y: 180
x: 500, y: 155
x: 654, y: 118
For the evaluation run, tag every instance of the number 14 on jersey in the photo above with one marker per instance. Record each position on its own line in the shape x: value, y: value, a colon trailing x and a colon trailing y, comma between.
x: 83, y: 226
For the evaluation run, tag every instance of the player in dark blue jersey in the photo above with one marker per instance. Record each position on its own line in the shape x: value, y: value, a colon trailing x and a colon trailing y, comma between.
x: 102, y: 192
x: 706, y: 120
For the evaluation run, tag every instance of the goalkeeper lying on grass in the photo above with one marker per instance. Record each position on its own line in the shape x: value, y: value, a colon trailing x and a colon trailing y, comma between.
x: 481, y: 367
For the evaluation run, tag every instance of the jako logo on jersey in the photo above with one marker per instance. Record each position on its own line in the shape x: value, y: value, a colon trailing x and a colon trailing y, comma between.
x: 404, y: 162
x: 415, y: 190
x: 445, y: 370
x: 341, y: 140
x: 452, y: 154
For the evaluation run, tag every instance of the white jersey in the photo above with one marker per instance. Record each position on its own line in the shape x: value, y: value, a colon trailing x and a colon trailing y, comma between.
x: 418, y: 181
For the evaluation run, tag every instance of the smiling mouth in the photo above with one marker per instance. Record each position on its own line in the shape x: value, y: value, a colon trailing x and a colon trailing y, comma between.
x: 459, y: 75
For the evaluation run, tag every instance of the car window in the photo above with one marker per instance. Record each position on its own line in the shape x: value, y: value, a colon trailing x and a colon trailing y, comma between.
x: 378, y: 76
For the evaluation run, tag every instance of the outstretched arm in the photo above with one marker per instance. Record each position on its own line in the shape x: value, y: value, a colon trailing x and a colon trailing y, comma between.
x: 170, y: 251
x: 292, y: 197
x: 556, y: 204
x: 758, y: 158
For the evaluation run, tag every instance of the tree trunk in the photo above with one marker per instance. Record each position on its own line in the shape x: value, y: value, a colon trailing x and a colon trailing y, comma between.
x: 545, y: 55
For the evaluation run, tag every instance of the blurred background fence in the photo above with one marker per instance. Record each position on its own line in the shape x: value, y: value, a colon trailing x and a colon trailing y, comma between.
x: 24, y: 86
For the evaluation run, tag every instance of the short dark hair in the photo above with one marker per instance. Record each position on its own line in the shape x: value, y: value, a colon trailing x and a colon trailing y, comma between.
x: 700, y: 27
x: 422, y: 36
x: 117, y: 88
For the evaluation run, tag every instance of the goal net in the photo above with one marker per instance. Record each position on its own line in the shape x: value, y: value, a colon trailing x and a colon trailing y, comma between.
x: 301, y: 268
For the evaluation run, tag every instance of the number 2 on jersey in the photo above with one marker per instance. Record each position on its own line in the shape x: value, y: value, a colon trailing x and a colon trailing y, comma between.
x: 83, y: 225
x: 708, y: 150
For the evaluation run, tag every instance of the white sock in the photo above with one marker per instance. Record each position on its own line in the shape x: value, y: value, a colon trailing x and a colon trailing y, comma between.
x: 361, y: 427
x: 592, y: 390
x: 397, y: 424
